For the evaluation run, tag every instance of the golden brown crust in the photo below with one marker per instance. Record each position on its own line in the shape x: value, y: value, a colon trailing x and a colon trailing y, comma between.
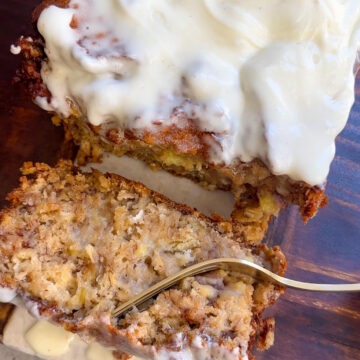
x: 29, y: 73
x: 183, y: 138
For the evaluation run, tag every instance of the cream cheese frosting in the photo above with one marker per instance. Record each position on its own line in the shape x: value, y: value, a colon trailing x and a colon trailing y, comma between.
x: 49, y: 342
x: 270, y: 79
x: 69, y: 346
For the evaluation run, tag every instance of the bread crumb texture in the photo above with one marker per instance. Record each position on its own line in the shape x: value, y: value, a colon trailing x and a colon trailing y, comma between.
x: 76, y: 245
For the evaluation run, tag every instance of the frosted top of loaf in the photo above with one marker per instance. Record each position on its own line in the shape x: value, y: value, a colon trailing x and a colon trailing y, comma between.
x: 268, y: 79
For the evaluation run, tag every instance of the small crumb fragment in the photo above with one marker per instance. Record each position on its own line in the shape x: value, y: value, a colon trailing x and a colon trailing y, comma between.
x: 15, y: 49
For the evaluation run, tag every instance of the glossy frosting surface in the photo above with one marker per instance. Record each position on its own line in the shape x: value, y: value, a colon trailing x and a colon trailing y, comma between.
x: 270, y: 79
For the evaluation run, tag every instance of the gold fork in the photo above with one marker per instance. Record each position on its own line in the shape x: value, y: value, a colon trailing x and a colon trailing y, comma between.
x: 231, y: 264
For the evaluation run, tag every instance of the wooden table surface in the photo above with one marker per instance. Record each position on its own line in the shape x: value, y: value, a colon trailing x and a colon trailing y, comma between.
x: 327, y: 249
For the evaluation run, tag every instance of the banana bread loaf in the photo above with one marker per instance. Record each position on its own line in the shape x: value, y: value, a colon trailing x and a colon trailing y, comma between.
x: 250, y: 106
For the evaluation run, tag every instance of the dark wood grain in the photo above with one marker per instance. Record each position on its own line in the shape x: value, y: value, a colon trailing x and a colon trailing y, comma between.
x: 309, y: 326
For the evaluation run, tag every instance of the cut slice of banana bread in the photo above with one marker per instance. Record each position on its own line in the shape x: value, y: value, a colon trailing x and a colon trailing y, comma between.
x: 75, y: 245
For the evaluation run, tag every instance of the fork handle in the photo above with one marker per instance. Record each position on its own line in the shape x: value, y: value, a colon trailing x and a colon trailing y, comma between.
x: 265, y: 274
